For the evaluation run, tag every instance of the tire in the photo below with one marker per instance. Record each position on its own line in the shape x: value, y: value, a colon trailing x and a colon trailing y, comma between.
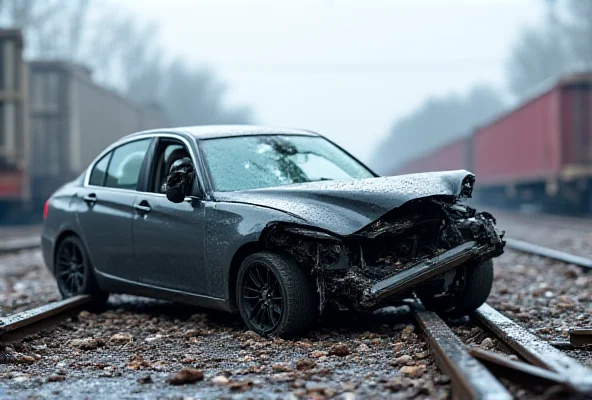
x: 478, y: 280
x: 75, y: 274
x: 288, y: 289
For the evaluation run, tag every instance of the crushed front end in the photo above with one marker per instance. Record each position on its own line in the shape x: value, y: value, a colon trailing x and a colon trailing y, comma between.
x: 419, y: 244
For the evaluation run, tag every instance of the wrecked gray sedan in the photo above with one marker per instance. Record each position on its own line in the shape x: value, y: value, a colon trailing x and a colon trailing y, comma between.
x: 276, y: 225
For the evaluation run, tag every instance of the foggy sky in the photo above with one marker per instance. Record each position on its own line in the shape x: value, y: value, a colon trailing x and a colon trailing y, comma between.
x: 346, y: 69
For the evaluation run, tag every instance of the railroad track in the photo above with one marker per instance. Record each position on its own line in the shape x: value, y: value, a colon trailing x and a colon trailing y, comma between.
x: 19, y: 244
x: 20, y: 325
x: 573, y: 223
x: 473, y: 372
x: 13, y: 231
x: 526, y: 247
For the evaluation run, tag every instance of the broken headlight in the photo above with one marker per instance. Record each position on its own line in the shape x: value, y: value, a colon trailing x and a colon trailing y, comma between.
x: 310, y: 233
x: 467, y: 186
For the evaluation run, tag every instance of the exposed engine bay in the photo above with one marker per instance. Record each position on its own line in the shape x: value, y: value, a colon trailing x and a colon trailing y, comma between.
x: 361, y: 270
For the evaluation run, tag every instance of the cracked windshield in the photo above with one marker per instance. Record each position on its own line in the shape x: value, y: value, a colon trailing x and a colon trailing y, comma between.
x: 253, y: 162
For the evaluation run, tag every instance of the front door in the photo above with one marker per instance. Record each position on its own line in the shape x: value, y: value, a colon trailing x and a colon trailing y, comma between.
x: 168, y: 237
x: 168, y: 243
x: 105, y: 209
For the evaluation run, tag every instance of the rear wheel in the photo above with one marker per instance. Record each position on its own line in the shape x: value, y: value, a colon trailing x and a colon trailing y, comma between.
x: 74, y: 273
x: 274, y: 295
x: 467, y: 294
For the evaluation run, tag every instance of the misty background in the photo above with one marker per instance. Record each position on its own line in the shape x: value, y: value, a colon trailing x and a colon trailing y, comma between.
x: 388, y: 80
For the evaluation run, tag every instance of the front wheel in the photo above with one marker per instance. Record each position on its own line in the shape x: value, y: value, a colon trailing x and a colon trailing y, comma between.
x: 74, y: 273
x: 274, y: 295
x: 475, y: 286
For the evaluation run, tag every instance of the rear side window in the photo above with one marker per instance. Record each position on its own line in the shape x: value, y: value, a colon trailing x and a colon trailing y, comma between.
x: 124, y: 169
x: 97, y: 176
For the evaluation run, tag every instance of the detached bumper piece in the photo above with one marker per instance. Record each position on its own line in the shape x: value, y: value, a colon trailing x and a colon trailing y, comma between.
x: 422, y: 271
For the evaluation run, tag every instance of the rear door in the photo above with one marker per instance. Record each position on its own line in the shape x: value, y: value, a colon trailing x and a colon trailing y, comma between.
x: 169, y: 237
x: 106, y: 209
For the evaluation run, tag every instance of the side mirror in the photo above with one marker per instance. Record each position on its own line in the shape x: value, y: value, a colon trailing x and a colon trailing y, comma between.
x: 180, y: 180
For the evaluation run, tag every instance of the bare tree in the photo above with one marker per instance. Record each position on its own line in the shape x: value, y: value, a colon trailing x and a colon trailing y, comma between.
x: 78, y: 19
x: 117, y: 48
x: 537, y: 57
x: 540, y: 54
x: 579, y: 30
x: 33, y: 17
x: 563, y: 44
x: 438, y: 121
x: 195, y: 96
x: 141, y: 61
x: 122, y: 53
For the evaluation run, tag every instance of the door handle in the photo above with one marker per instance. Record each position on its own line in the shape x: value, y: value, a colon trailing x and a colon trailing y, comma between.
x: 90, y: 198
x: 143, y: 207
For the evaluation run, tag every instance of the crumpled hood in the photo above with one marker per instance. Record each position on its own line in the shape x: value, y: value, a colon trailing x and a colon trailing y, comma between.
x: 345, y: 207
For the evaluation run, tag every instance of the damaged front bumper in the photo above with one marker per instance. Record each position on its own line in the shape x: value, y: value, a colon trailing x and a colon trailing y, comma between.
x: 382, y: 291
x: 484, y: 243
x: 414, y: 246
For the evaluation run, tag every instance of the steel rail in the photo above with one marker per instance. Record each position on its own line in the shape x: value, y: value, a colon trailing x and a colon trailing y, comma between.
x: 14, y: 231
x: 580, y: 337
x: 14, y: 245
x: 422, y: 271
x: 535, y: 350
x: 518, y: 371
x: 469, y: 378
x: 20, y: 325
x: 547, y: 252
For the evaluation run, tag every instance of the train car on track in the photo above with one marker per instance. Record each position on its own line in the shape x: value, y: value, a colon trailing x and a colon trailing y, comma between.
x: 55, y: 118
x: 14, y: 130
x: 452, y: 156
x: 73, y: 119
x: 539, y: 153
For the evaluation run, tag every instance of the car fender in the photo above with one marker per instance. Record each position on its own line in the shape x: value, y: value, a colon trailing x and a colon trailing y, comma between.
x: 61, y: 218
x: 229, y: 226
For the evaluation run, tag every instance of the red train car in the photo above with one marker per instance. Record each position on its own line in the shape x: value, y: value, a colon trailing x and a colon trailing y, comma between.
x: 540, y: 152
x: 454, y: 155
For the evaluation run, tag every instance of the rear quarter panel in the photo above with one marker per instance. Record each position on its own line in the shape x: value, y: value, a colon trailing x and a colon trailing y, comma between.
x: 61, y: 218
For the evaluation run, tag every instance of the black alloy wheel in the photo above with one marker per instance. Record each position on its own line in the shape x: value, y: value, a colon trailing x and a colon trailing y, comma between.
x: 471, y: 293
x: 70, y: 269
x: 74, y: 272
x: 275, y: 295
x: 262, y: 297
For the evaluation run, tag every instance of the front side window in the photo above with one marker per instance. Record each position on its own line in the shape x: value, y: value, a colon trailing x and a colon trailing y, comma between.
x: 168, y: 152
x: 125, y: 165
x: 251, y: 162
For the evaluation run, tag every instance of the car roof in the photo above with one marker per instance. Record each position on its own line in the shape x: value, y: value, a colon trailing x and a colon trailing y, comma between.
x: 220, y: 131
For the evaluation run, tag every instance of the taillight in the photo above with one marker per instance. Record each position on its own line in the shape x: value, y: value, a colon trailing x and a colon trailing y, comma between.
x: 45, y: 209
